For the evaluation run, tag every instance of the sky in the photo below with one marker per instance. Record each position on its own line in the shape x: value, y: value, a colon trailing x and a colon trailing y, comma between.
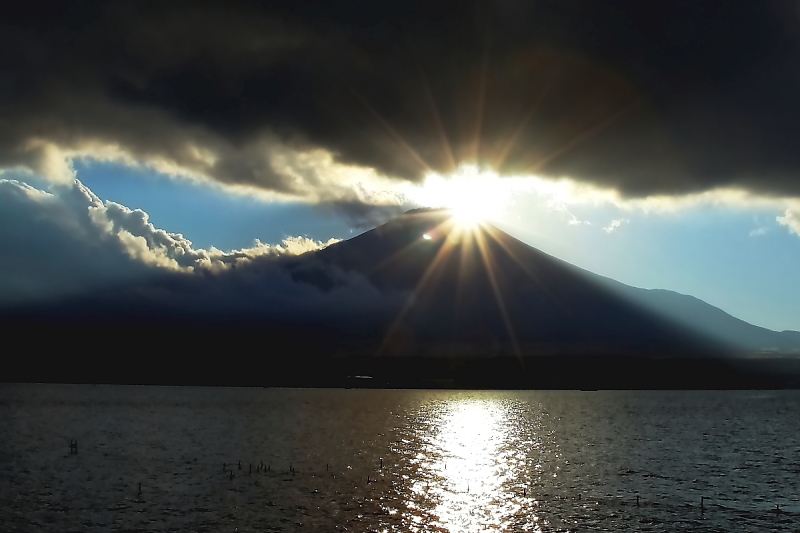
x: 654, y: 144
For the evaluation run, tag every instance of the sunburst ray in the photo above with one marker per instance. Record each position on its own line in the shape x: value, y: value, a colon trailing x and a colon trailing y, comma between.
x: 392, y: 131
x: 488, y: 264
x: 589, y: 132
x: 492, y: 232
x: 441, y: 254
x: 437, y: 119
x: 408, y: 249
x: 527, y: 116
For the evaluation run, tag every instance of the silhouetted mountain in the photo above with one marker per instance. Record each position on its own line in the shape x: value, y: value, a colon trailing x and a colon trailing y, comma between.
x: 480, y: 289
x: 418, y: 301
x: 711, y: 321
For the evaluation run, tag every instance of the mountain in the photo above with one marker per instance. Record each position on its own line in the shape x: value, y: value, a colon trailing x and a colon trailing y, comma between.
x: 711, y: 321
x: 480, y: 279
x: 419, y: 301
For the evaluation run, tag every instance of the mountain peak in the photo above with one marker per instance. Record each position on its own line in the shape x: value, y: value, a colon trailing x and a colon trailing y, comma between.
x: 426, y: 210
x: 526, y: 300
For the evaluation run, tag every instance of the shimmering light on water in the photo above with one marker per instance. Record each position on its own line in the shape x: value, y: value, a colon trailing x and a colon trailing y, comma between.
x: 472, y: 465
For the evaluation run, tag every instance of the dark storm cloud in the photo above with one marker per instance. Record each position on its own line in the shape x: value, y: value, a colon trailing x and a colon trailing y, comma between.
x: 649, y: 98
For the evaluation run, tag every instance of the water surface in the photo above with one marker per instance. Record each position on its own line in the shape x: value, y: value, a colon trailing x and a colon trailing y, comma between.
x: 397, y: 460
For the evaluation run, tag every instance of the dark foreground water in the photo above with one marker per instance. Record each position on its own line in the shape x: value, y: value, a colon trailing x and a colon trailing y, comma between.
x: 396, y: 460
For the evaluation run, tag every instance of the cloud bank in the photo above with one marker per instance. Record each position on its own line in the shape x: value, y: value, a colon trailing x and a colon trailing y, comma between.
x: 313, y: 100
x: 67, y: 241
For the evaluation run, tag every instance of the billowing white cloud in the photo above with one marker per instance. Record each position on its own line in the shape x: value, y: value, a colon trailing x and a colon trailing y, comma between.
x: 66, y: 240
x: 265, y: 166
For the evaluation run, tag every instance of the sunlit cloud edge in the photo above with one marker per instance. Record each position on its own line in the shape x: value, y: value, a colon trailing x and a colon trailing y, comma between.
x: 316, y: 177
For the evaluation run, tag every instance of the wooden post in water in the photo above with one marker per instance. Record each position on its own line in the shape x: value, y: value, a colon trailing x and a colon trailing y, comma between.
x: 702, y: 506
x: 637, y: 500
x: 140, y: 491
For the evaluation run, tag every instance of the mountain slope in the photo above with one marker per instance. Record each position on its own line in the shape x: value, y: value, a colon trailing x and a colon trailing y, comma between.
x: 702, y: 317
x: 485, y: 284
x: 415, y: 302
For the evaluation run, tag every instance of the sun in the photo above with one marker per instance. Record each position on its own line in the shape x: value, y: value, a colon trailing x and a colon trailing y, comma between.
x: 473, y: 195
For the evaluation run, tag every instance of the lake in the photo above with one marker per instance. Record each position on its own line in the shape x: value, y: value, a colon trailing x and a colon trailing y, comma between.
x: 250, y: 459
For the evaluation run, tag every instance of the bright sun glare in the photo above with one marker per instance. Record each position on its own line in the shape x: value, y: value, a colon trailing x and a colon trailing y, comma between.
x: 472, y: 194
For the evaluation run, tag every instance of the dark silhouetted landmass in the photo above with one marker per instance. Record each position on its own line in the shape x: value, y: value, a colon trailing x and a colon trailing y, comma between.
x: 460, y: 308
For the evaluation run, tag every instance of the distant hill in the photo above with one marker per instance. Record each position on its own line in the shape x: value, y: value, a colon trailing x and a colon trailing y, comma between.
x: 706, y: 319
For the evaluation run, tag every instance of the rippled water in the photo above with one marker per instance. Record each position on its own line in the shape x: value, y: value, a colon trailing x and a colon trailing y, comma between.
x: 394, y: 460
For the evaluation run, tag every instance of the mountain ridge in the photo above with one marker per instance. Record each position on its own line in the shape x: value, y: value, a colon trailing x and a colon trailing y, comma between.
x: 416, y: 302
x: 688, y: 311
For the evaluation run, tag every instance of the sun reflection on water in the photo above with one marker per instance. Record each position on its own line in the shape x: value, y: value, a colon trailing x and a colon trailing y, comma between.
x: 470, y: 475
